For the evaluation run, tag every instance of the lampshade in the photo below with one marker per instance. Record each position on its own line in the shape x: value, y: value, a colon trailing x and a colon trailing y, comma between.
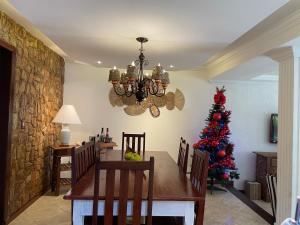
x: 131, y: 72
x: 165, y: 78
x: 67, y: 115
x: 114, y: 75
x: 157, y: 72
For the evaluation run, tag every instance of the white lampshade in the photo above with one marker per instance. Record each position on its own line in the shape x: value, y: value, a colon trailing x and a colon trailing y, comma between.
x: 67, y: 115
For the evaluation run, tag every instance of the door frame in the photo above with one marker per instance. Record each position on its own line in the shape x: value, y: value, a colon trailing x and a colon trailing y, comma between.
x: 9, y: 130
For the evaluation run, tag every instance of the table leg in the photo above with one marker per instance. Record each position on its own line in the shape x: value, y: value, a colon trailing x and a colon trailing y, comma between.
x: 189, y: 214
x: 57, y: 175
x: 53, y: 174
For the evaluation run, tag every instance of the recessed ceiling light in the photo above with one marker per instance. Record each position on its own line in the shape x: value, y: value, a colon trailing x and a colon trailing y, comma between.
x: 171, y: 66
x: 99, y: 62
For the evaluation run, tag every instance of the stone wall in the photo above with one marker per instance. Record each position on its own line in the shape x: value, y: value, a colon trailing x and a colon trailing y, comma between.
x: 38, y: 92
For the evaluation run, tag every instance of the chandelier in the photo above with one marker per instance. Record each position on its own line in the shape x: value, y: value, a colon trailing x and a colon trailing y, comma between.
x: 135, y: 82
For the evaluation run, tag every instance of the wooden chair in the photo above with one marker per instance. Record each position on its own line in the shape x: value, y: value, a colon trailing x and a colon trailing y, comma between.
x: 198, y: 177
x: 125, y: 169
x: 272, y: 190
x: 183, y: 155
x: 134, y: 142
x: 83, y: 158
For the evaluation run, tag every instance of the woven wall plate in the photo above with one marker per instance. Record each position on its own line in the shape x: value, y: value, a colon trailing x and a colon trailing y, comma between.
x: 179, y: 99
x: 159, y: 101
x: 147, y: 102
x: 154, y: 111
x: 129, y: 100
x: 114, y: 99
x: 134, y: 110
x: 170, y: 100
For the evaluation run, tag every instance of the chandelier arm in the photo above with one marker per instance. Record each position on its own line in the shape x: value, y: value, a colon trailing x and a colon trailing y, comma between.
x: 146, y: 93
x: 129, y: 93
x: 118, y: 90
x: 161, y: 94
x: 154, y: 88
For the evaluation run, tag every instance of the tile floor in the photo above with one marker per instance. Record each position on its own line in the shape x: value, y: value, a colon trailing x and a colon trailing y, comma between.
x: 221, y: 209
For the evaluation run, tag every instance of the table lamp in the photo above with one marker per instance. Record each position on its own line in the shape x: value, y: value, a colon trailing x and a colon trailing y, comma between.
x: 66, y: 115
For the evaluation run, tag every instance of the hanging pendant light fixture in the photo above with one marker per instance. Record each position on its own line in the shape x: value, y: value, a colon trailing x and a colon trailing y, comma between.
x: 134, y: 82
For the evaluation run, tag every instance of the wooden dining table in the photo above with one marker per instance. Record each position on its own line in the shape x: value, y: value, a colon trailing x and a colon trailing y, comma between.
x: 173, y: 193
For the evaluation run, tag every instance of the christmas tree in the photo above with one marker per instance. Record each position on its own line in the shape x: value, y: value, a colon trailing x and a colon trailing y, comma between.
x: 214, y: 139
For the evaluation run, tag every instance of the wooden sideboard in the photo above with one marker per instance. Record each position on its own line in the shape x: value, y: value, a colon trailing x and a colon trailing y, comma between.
x: 266, y: 163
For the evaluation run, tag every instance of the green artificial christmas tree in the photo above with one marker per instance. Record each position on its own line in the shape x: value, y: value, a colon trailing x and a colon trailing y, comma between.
x: 214, y: 139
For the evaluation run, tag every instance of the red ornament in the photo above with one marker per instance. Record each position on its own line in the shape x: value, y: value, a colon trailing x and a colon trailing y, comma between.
x: 221, y: 153
x: 217, y: 116
x: 220, y: 98
x: 213, y: 124
x: 215, y: 143
x: 225, y: 176
x: 205, y: 130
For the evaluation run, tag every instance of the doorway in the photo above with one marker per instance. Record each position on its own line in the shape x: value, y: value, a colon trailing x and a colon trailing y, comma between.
x: 6, y: 80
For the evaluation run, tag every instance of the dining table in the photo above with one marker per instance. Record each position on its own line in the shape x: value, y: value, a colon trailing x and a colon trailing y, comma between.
x: 173, y: 192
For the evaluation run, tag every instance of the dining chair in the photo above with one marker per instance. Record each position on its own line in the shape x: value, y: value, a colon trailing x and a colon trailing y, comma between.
x: 83, y: 158
x: 133, y: 142
x: 198, y: 177
x: 124, y: 171
x: 183, y: 155
x: 272, y: 190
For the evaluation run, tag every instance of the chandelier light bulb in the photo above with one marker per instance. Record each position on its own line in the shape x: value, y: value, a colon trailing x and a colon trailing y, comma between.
x: 158, y: 64
x: 133, y: 64
x: 115, y: 67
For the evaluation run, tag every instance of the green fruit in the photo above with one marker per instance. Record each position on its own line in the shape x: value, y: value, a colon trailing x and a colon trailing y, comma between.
x: 129, y: 156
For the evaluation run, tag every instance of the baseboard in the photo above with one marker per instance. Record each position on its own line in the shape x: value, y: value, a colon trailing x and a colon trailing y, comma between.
x: 25, y: 206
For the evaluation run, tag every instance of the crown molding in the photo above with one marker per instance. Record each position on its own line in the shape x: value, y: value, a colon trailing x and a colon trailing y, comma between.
x: 277, y: 29
x: 283, y: 53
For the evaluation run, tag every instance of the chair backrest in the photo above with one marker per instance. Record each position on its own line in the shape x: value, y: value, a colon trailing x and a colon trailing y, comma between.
x: 125, y: 169
x: 183, y: 155
x: 199, y: 171
x: 83, y: 158
x: 136, y: 142
x: 272, y: 190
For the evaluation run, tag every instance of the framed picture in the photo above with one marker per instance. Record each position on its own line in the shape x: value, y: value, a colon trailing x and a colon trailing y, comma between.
x: 274, y: 128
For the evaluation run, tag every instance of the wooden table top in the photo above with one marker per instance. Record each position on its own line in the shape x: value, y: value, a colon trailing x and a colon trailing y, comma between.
x: 170, y: 184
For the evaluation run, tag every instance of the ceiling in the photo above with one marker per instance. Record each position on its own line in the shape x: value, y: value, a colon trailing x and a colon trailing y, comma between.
x: 182, y: 33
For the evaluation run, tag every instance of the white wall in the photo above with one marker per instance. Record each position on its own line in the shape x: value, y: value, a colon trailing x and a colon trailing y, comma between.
x: 86, y: 87
x: 251, y: 104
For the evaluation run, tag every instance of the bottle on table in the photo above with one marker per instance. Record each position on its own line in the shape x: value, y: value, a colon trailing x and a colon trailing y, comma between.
x: 107, y: 136
x: 102, y: 135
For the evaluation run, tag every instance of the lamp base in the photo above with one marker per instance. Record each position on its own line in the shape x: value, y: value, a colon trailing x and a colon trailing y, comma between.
x: 65, y: 135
